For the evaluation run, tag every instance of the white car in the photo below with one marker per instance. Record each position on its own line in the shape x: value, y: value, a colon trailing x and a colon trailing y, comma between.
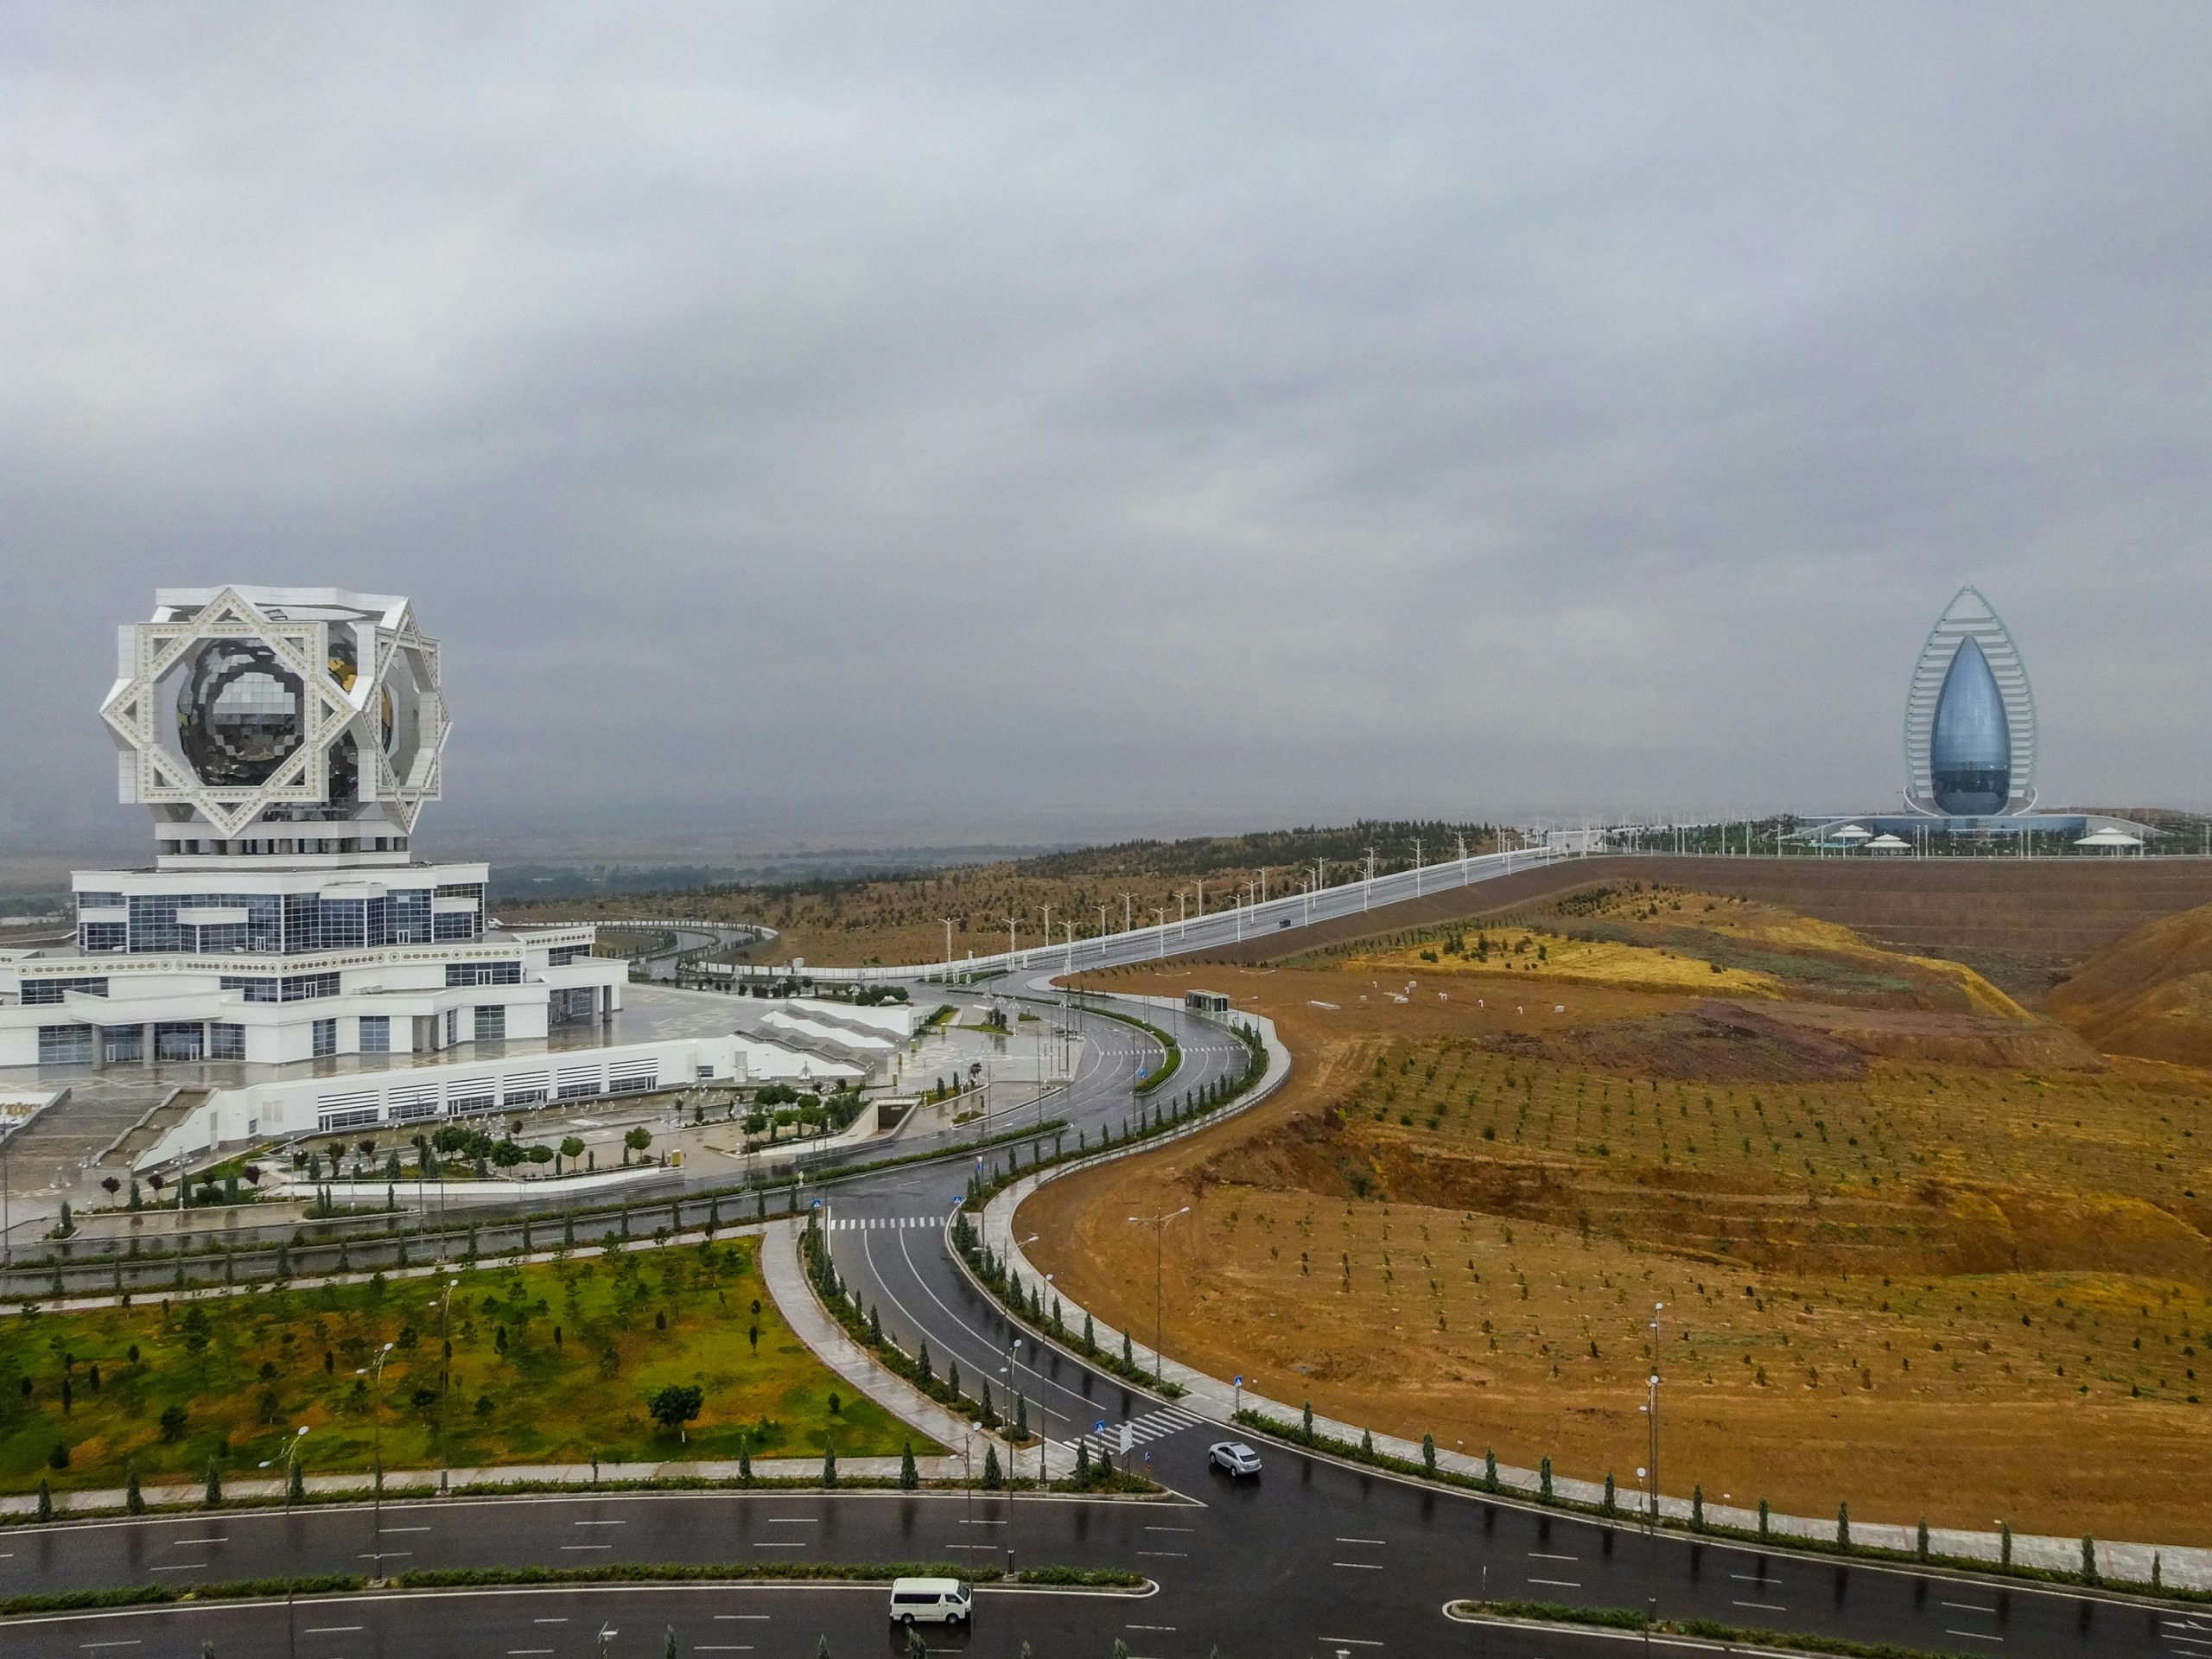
x: 1234, y: 1457
x: 931, y: 1601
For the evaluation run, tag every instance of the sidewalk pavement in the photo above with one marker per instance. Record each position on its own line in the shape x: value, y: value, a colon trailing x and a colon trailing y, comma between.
x: 1209, y: 1396
x: 578, y: 1478
x: 795, y: 1300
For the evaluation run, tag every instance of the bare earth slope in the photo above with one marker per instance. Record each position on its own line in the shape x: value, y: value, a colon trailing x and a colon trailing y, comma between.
x: 2148, y: 994
x: 1918, y: 1249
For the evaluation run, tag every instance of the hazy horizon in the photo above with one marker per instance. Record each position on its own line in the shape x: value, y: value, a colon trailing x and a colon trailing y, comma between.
x: 979, y: 425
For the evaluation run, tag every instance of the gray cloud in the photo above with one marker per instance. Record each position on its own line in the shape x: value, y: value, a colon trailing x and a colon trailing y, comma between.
x: 973, y: 422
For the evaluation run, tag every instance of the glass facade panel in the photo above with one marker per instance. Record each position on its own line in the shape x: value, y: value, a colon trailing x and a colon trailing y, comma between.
x: 257, y: 990
x: 226, y: 1042
x: 122, y: 1043
x: 455, y: 925
x: 376, y: 1033
x: 104, y: 935
x: 1970, y: 754
x: 305, y: 988
x: 325, y: 1037
x: 44, y: 991
x: 179, y: 1039
x: 65, y: 1045
x: 99, y: 901
x: 491, y: 1023
x: 484, y: 973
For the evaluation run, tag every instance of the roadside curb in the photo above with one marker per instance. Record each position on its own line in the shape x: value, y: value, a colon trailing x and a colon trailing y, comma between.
x: 811, y: 1321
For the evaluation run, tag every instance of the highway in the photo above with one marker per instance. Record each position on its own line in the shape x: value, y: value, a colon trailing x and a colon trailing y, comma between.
x: 1312, y: 1558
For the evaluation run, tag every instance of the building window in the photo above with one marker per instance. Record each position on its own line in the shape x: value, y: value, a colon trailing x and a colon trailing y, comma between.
x: 99, y: 901
x: 376, y: 1033
x: 306, y: 988
x: 119, y: 1043
x: 104, y: 935
x: 562, y: 955
x: 491, y: 1023
x: 52, y: 990
x: 455, y: 925
x: 257, y: 990
x: 484, y: 973
x: 65, y: 1045
x: 326, y: 1037
x: 179, y: 1039
x: 226, y: 1042
x: 452, y: 1026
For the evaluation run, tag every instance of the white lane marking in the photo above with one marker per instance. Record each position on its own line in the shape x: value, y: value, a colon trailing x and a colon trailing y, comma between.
x: 407, y: 1528
x: 981, y: 1523
x: 382, y: 1554
x: 1969, y: 1607
x: 330, y: 1630
x: 1350, y: 1641
x: 602, y: 1523
x: 1540, y: 1555
x: 512, y: 1651
x: 990, y: 1346
x: 1563, y: 1584
x: 1750, y: 1578
x: 793, y: 1520
x: 1974, y: 1636
x: 1341, y: 1540
x: 1165, y: 1628
x: 1363, y: 1540
x: 190, y: 1543
x: 132, y: 1643
x: 1365, y: 1567
x: 992, y: 1548
x: 731, y: 1619
x: 575, y: 1547
x: 1763, y: 1606
x: 548, y: 1621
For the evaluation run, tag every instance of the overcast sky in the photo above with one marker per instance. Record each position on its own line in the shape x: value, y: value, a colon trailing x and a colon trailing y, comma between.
x: 954, y: 422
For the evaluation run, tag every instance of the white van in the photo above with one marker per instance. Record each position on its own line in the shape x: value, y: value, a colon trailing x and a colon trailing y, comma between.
x: 930, y: 1601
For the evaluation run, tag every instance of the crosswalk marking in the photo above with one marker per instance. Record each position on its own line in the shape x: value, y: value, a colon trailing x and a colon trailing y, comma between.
x: 1152, y: 1426
x: 868, y: 1224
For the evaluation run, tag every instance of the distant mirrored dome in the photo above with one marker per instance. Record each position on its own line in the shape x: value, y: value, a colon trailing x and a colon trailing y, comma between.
x: 1970, y: 751
x: 238, y: 714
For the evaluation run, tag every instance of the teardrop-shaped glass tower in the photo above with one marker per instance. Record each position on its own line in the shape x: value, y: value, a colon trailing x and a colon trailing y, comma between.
x: 1970, y: 754
x: 1970, y: 717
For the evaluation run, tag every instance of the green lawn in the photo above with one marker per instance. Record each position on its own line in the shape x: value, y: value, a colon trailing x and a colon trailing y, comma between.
x: 550, y: 1363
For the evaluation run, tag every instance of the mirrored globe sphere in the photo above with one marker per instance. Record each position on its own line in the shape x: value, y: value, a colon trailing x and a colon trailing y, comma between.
x: 237, y: 713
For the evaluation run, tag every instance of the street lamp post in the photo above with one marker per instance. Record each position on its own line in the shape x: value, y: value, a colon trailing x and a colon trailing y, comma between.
x: 1159, y: 1225
x: 374, y: 1372
x: 445, y: 1381
x: 289, y: 1460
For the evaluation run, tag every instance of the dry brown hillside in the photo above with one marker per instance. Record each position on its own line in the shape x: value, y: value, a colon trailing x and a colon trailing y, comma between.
x: 1920, y: 1248
x: 2150, y: 994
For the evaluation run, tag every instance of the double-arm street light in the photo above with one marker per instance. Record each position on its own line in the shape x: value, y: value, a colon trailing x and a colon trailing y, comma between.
x: 374, y: 1371
x: 1159, y: 1225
